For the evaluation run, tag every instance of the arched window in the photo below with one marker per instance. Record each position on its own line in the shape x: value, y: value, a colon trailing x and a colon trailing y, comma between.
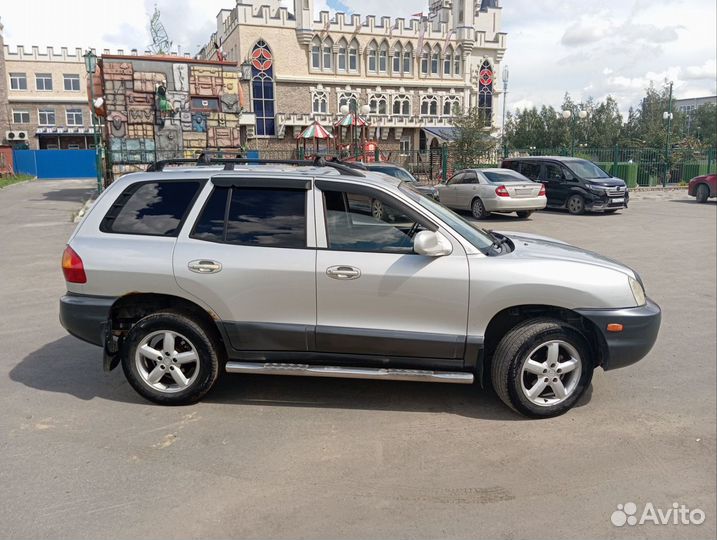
x: 316, y: 53
x: 448, y: 62
x: 485, y: 92
x: 435, y: 60
x: 262, y: 88
x: 457, y: 61
x: 424, y: 59
x: 353, y: 55
x: 397, y: 52
x: 408, y: 59
x: 319, y: 102
x: 378, y: 104
x: 328, y: 54
x: 348, y: 98
x: 342, y: 58
x: 372, y: 57
x: 429, y: 106
x: 383, y: 57
x: 401, y: 105
x: 450, y: 104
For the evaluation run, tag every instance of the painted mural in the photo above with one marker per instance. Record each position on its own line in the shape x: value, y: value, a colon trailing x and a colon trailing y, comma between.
x: 162, y: 109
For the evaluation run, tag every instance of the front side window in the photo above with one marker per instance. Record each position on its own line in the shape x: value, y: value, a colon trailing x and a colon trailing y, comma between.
x: 18, y: 81
x: 151, y: 208
x: 74, y: 117
x: 43, y: 82
x: 351, y: 224
x: 553, y: 172
x: 21, y: 117
x: 255, y: 216
x: 71, y: 82
x: 46, y: 117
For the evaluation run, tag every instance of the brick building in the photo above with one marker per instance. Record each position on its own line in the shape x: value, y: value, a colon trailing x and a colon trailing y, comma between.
x: 412, y: 73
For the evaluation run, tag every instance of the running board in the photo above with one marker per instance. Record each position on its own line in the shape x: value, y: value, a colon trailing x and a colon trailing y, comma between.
x: 308, y: 370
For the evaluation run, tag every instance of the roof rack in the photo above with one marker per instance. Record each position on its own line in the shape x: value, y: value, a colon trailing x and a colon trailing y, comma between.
x: 204, y: 159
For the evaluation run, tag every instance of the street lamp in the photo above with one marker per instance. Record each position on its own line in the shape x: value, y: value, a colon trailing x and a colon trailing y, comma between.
x: 667, y: 115
x: 505, y: 97
x: 91, y: 66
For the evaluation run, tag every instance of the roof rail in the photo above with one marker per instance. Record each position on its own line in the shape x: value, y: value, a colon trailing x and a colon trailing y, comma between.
x: 348, y: 169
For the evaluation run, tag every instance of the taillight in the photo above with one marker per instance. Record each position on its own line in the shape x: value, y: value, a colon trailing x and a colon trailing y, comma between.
x: 501, y: 191
x: 542, y: 191
x: 72, y: 266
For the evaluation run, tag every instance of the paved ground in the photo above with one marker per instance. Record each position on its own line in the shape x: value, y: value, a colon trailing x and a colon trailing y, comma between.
x: 83, y: 457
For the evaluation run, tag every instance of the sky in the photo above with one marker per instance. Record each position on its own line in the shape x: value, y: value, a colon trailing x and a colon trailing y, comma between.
x: 584, y: 47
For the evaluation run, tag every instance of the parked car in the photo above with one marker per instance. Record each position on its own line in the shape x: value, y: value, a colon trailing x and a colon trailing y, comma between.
x: 576, y: 184
x: 247, y: 267
x: 483, y: 191
x: 703, y: 187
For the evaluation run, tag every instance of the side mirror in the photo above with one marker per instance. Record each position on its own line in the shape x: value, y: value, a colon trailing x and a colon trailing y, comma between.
x: 431, y: 244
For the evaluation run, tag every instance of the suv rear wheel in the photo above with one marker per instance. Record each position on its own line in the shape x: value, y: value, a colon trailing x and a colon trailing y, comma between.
x: 541, y: 367
x: 170, y: 359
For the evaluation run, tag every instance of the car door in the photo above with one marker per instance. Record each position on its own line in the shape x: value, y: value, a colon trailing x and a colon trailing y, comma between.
x: 467, y: 190
x: 248, y: 253
x: 375, y: 296
x: 448, y: 191
x: 556, y: 184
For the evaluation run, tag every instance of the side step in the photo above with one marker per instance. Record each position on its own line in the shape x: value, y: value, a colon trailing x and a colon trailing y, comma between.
x: 308, y: 370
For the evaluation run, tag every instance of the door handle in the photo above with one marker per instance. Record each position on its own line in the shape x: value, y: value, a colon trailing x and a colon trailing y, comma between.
x: 204, y: 266
x: 343, y: 272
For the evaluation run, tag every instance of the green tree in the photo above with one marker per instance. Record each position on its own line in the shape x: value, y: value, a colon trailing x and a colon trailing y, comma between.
x: 472, y: 143
x: 703, y: 125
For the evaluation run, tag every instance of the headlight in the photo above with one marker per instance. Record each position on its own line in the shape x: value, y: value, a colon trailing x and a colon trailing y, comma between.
x: 597, y: 189
x: 637, y: 291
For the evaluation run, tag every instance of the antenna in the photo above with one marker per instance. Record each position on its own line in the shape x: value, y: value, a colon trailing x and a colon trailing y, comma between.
x: 160, y: 39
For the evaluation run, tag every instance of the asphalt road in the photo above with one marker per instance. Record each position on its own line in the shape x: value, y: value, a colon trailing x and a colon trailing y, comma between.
x: 82, y: 456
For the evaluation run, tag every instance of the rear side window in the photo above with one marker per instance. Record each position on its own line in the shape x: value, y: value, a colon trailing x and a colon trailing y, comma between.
x: 247, y: 216
x: 151, y: 208
x: 530, y: 169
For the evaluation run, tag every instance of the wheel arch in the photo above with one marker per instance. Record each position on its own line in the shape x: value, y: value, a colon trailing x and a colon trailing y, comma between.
x: 508, y: 318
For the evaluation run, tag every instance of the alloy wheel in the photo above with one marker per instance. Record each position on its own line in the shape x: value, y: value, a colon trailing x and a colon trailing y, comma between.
x: 551, y: 373
x: 167, y: 361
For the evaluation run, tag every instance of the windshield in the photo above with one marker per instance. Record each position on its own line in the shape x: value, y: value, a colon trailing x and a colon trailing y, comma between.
x: 396, y: 172
x: 586, y: 169
x: 502, y: 177
x: 477, y: 237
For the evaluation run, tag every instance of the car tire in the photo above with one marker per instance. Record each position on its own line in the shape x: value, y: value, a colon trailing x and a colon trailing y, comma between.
x: 534, y: 388
x: 525, y: 214
x: 378, y: 211
x: 187, y: 359
x: 703, y: 193
x: 478, y: 209
x: 576, y: 205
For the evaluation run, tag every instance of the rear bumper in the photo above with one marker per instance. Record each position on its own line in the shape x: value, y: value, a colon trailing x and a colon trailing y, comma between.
x: 85, y: 316
x: 510, y: 204
x: 641, y: 326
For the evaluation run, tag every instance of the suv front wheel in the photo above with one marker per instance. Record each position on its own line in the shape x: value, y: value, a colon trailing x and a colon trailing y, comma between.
x: 170, y: 359
x: 541, y: 367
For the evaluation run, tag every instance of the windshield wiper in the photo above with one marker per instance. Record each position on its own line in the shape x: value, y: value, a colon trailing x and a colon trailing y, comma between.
x: 498, y: 242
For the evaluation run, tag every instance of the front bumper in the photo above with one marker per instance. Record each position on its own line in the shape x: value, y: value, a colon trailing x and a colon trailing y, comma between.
x: 640, y: 327
x: 85, y: 316
x: 600, y: 204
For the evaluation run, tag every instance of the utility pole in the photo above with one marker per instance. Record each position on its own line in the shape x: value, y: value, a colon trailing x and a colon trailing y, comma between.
x: 505, y: 97
x: 668, y: 116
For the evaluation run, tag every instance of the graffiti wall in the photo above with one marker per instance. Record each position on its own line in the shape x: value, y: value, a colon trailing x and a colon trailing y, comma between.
x: 168, y: 108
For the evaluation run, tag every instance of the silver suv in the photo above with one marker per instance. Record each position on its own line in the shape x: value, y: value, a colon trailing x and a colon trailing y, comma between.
x: 183, y: 272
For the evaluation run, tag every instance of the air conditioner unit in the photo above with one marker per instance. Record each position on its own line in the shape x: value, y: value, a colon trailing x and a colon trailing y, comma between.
x: 16, y: 135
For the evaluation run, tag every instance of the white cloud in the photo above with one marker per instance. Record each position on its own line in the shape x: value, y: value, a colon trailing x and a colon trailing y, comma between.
x: 708, y: 70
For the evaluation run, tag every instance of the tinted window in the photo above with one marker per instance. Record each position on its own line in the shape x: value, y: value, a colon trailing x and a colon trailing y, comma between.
x: 587, y: 169
x: 396, y: 172
x: 553, y: 172
x: 153, y: 208
x: 502, y: 177
x: 353, y: 224
x: 210, y: 225
x: 530, y: 169
x: 456, y: 179
x: 267, y: 217
x: 515, y: 165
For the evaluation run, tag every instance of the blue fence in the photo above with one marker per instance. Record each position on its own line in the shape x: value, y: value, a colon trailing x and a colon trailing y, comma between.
x: 56, y: 163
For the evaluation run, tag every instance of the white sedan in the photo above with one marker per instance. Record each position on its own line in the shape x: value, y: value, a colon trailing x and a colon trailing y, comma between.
x: 483, y: 191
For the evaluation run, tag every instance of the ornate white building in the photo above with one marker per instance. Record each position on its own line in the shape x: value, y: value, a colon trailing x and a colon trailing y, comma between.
x: 412, y: 72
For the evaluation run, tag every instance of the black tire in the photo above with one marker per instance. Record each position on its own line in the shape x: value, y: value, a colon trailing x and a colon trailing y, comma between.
x: 703, y: 193
x: 207, y: 346
x: 576, y: 205
x: 512, y: 352
x: 524, y: 214
x: 478, y: 209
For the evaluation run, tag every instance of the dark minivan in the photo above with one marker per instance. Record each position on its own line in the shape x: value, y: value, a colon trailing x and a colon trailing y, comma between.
x: 576, y: 184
